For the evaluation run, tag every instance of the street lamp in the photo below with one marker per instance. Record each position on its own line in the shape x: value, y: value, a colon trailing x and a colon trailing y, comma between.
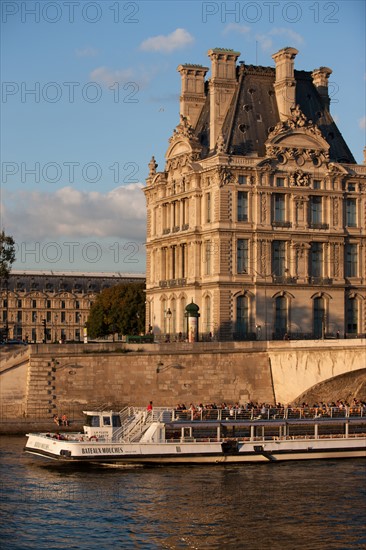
x: 56, y: 317
x: 78, y: 319
x: 264, y: 276
x: 168, y: 315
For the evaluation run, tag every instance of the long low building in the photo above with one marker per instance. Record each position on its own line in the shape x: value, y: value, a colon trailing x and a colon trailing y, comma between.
x: 52, y: 306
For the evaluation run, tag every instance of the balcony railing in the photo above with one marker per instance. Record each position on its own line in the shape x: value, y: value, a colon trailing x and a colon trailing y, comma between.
x: 172, y: 282
x: 276, y: 223
x: 318, y: 225
x: 321, y: 280
x: 166, y: 231
x: 284, y: 279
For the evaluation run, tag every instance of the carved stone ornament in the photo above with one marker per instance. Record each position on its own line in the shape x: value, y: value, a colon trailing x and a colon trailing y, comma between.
x: 152, y: 167
x: 296, y: 120
x: 225, y: 175
x: 300, y: 179
x: 183, y: 129
x: 220, y: 144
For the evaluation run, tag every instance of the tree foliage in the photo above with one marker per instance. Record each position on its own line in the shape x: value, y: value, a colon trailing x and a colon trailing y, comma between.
x: 7, y: 255
x: 119, y: 309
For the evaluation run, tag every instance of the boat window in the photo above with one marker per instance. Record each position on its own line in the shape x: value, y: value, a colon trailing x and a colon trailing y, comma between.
x: 92, y: 421
x: 116, y: 421
x: 106, y: 420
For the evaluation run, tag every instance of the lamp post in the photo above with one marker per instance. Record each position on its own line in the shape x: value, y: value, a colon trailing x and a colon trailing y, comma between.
x: 56, y: 317
x: 35, y: 328
x: 168, y: 315
x: 78, y: 319
x: 264, y: 276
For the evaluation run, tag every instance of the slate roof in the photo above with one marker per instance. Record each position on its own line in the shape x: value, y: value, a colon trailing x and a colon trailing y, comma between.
x: 253, y: 113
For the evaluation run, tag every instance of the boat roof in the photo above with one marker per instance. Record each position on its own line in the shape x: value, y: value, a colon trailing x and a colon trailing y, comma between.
x: 263, y: 422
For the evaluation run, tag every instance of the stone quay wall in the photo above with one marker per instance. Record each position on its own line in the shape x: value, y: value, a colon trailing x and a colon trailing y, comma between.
x: 49, y: 379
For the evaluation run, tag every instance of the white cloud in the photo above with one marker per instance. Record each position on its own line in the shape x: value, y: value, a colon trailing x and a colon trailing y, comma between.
x: 86, y: 52
x: 236, y: 27
x: 267, y: 40
x: 68, y: 212
x: 107, y: 77
x: 362, y: 123
x: 167, y: 43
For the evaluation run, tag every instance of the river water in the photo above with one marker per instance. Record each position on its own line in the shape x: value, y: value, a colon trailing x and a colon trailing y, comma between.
x: 307, y: 505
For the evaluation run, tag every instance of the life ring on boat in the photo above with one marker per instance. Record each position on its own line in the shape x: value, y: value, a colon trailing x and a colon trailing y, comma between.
x: 93, y: 438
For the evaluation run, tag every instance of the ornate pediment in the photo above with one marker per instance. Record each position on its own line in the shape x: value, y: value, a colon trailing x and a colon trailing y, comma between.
x: 184, y: 146
x: 297, y: 139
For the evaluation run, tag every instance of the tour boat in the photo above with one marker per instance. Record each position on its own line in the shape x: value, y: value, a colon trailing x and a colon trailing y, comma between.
x: 168, y: 436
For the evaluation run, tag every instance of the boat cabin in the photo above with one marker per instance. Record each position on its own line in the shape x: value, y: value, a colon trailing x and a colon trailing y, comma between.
x: 101, y: 424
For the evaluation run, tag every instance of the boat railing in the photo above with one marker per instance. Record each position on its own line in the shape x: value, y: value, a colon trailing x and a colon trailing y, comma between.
x: 266, y: 413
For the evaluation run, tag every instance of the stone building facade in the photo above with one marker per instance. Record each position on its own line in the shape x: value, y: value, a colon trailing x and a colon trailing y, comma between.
x: 259, y: 215
x: 52, y: 306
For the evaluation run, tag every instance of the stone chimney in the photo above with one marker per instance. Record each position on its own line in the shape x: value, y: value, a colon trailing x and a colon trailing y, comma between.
x: 192, y: 96
x: 320, y: 80
x: 285, y: 84
x: 222, y: 87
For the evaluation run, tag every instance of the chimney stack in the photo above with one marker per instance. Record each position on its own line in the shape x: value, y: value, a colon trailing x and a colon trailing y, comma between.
x: 193, y: 95
x: 285, y: 84
x: 222, y: 87
x: 320, y: 80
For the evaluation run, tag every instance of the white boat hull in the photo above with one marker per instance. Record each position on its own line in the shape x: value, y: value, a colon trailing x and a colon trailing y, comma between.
x: 194, y: 452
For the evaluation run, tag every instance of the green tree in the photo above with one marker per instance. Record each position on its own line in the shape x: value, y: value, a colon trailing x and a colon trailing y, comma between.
x: 7, y: 255
x: 7, y: 258
x: 120, y: 308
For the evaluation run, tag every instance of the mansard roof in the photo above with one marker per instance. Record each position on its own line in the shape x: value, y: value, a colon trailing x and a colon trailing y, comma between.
x: 253, y: 114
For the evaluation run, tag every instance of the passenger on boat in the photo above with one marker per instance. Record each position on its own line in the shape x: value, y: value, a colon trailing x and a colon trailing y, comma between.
x: 64, y: 420
x: 150, y: 406
x: 56, y: 420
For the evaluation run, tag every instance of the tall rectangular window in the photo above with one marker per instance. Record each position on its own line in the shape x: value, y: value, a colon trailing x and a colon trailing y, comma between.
x: 208, y: 207
x: 316, y: 260
x: 351, y: 219
x: 280, y: 182
x: 19, y: 316
x: 315, y: 211
x: 279, y: 208
x: 242, y: 180
x: 208, y: 257
x: 242, y: 255
x: 242, y: 206
x: 183, y: 248
x: 351, y: 260
x: 279, y: 258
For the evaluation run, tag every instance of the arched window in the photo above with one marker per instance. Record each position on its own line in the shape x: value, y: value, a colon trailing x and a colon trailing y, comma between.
x: 280, y: 316
x: 319, y: 317
x: 242, y: 317
x: 352, y: 316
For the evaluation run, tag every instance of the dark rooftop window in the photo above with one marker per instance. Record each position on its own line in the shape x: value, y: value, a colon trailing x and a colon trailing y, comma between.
x: 243, y: 127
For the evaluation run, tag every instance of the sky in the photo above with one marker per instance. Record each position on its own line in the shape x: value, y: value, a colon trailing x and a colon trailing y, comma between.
x: 90, y: 91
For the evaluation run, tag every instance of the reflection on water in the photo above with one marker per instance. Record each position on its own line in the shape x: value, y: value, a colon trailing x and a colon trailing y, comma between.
x: 317, y: 505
